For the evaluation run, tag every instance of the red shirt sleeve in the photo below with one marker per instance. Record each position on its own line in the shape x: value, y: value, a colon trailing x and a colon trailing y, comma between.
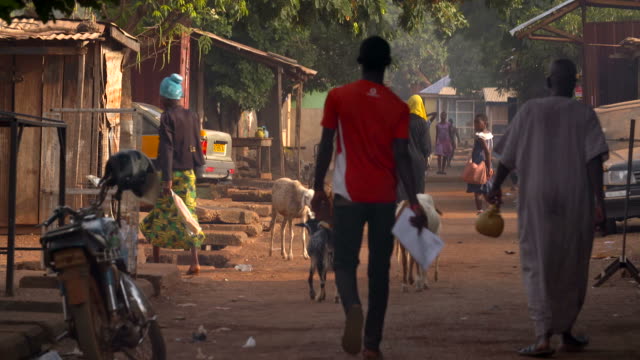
x: 330, y: 115
x: 402, y: 125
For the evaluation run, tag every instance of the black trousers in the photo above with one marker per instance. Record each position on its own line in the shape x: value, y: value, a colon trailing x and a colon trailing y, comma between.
x: 349, y: 220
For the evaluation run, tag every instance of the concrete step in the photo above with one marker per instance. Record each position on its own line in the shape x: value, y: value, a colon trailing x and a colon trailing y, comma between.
x: 22, y: 334
x: 261, y: 209
x: 206, y: 258
x: 161, y: 276
x: 225, y: 238
x: 224, y: 215
x: 260, y: 196
x: 252, y: 230
x: 33, y: 300
x: 51, y: 282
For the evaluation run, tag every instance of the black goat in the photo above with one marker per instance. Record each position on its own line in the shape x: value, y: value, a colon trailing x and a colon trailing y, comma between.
x: 320, y: 249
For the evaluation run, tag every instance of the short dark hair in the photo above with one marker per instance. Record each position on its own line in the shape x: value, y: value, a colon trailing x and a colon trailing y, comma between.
x: 375, y: 53
x: 562, y: 73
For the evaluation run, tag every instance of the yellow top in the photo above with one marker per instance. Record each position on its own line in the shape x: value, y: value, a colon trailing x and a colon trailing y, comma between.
x: 416, y: 106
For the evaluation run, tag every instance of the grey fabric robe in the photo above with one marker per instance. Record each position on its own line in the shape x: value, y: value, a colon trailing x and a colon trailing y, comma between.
x: 550, y: 142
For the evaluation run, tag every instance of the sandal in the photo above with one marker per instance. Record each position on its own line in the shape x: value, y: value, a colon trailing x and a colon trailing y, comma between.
x: 576, y: 344
x: 533, y: 351
x: 195, y: 271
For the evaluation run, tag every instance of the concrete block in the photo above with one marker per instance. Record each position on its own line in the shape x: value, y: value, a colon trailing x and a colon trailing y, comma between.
x: 226, y: 238
x: 146, y: 287
x: 39, y: 282
x: 216, y: 214
x: 52, y: 324
x: 33, y: 300
x: 260, y: 196
x: 161, y: 276
x: 252, y: 230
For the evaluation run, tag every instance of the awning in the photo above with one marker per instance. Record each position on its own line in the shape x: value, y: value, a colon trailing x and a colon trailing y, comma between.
x: 290, y: 66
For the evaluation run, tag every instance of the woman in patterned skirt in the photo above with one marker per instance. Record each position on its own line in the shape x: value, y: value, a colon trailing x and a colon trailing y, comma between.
x: 179, y: 154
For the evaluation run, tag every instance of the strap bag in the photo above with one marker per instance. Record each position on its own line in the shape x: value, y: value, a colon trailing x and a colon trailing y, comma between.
x: 475, y: 173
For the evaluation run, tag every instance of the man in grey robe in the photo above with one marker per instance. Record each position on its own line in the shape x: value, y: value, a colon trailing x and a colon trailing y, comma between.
x: 558, y: 147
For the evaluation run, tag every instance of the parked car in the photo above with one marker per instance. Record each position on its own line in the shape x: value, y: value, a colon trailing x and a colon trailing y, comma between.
x: 614, y: 119
x: 216, y: 145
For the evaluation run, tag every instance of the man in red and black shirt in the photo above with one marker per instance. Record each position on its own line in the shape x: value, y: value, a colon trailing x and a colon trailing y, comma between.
x: 372, y: 125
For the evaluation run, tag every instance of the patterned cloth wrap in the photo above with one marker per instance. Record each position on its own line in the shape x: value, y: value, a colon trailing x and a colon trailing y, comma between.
x: 163, y: 226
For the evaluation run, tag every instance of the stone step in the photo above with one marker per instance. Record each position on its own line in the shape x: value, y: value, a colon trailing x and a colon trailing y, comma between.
x: 22, y: 334
x: 206, y: 258
x: 51, y: 282
x: 260, y: 196
x: 224, y: 215
x: 33, y: 300
x: 161, y: 276
x: 225, y: 238
x: 252, y: 230
x: 262, y: 209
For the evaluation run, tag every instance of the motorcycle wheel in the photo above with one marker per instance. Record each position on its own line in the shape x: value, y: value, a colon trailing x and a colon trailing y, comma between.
x: 90, y: 320
x: 152, y: 346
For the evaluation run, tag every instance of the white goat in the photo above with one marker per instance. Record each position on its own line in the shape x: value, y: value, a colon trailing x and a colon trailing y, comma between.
x: 291, y: 200
x: 407, y: 261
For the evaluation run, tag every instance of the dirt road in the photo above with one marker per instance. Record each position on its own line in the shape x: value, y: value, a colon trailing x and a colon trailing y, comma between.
x: 476, y: 311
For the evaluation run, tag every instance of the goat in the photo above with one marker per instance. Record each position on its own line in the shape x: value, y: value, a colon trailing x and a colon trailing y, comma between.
x: 407, y: 261
x: 291, y: 200
x: 320, y: 250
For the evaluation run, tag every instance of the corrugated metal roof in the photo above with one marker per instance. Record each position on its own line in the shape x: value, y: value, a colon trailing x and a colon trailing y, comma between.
x: 495, y: 95
x: 26, y: 29
x: 439, y: 86
x: 563, y: 8
x: 289, y: 64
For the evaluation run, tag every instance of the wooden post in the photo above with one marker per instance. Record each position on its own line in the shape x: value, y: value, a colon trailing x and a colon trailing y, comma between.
x: 299, y: 95
x: 586, y: 94
x: 278, y: 136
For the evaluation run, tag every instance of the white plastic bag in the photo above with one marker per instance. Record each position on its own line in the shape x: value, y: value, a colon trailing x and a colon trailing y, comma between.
x: 192, y: 224
x: 424, y: 246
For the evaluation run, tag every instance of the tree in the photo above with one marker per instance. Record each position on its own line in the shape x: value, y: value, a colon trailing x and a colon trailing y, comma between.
x: 45, y: 8
x: 485, y: 54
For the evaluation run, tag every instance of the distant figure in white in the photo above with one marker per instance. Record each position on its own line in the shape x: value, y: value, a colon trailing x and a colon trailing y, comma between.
x: 291, y: 200
x: 406, y: 260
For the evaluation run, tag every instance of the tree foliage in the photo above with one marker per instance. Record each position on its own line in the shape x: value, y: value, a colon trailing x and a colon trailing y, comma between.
x: 485, y: 54
x: 45, y: 8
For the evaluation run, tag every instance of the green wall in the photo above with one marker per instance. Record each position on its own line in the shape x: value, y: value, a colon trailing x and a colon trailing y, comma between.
x: 312, y: 100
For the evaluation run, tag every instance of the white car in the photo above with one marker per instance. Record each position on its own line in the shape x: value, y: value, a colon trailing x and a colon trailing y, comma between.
x: 216, y: 145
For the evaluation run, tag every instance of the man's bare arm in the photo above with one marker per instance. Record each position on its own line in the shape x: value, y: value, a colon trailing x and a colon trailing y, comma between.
x: 325, y: 153
x: 405, y: 170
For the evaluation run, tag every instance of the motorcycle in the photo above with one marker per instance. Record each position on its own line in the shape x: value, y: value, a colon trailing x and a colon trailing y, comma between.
x: 105, y: 311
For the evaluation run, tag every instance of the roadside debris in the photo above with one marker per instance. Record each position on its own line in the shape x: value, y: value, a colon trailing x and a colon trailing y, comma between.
x: 186, y: 305
x: 244, y: 267
x: 251, y: 343
x: 509, y: 252
x: 200, y: 355
x: 74, y: 352
x: 222, y: 329
x: 200, y: 334
x: 50, y: 355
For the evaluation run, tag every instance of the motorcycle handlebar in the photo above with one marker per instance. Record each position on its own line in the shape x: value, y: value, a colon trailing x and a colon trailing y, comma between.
x: 59, y: 213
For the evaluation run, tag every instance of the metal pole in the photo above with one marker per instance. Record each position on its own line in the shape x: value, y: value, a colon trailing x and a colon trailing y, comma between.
x: 632, y: 132
x: 62, y: 139
x: 13, y: 180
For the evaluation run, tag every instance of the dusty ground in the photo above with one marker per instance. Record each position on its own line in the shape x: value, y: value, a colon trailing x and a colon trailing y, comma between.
x: 476, y: 311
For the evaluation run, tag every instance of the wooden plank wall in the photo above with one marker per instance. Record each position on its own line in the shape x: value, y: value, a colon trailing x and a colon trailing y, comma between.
x: 45, y: 83
x: 51, y: 98
x: 28, y: 100
x: 6, y: 104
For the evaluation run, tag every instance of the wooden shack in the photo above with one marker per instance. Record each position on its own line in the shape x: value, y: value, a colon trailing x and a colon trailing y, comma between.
x: 61, y: 64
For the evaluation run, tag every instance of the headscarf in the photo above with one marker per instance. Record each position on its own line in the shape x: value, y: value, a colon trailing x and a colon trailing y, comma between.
x: 416, y: 106
x: 171, y: 87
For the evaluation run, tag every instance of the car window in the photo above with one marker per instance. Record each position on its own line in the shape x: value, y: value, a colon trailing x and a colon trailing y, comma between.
x: 148, y: 126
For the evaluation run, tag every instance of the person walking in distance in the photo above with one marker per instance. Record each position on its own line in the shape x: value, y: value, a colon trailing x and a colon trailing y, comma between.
x: 561, y: 202
x: 455, y: 140
x: 179, y: 154
x: 372, y: 128
x: 444, y: 142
